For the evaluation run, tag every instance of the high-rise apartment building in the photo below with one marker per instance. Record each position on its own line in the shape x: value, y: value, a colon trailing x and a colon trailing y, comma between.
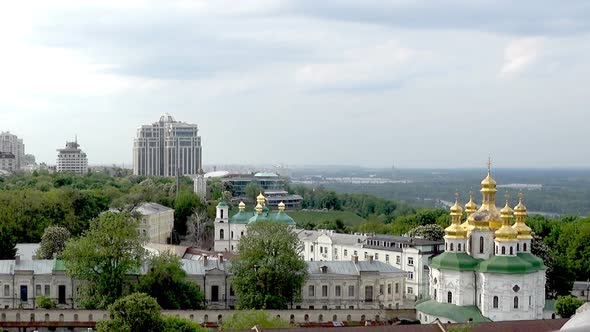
x: 7, y: 161
x: 12, y: 144
x: 72, y: 159
x: 167, y: 147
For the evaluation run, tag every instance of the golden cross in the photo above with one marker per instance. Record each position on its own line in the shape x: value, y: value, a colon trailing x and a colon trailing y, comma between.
x: 489, y: 164
x: 507, y: 196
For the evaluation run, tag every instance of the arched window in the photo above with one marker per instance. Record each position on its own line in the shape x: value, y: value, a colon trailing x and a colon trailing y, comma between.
x: 511, y: 252
x: 503, y: 250
x: 518, y: 247
x: 446, y: 246
x: 516, y: 302
x: 495, y: 302
x: 435, y: 294
x: 459, y: 247
x: 524, y: 246
x: 481, y: 244
x: 221, y: 234
x: 451, y: 247
x: 232, y: 234
x: 450, y: 297
x: 496, y: 250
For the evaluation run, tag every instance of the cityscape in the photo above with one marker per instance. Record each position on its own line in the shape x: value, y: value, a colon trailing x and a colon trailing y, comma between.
x: 201, y: 166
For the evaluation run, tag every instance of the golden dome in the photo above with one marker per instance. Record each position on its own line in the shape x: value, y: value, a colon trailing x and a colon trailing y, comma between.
x: 242, y: 206
x: 281, y: 206
x: 470, y: 208
x: 506, y: 232
x: 455, y: 230
x: 524, y: 231
x: 258, y: 208
x: 261, y: 199
x: 488, y: 215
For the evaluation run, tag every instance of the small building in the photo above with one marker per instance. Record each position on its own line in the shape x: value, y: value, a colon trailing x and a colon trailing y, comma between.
x: 72, y: 159
x: 581, y: 290
x: 156, y: 222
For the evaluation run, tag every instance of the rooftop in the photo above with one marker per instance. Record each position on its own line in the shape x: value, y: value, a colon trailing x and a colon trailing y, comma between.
x: 151, y: 208
x: 460, y: 314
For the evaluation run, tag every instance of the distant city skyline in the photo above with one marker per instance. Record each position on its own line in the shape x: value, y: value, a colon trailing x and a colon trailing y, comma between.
x: 424, y: 84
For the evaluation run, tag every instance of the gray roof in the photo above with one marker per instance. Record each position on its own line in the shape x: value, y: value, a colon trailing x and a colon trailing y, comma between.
x: 350, y: 267
x: 42, y: 266
x: 581, y: 285
x: 151, y: 208
x: 337, y: 238
x: 404, y: 240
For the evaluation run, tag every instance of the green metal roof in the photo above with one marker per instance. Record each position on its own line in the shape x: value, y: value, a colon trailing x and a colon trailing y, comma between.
x: 222, y: 204
x: 241, y: 217
x: 455, y: 261
x: 58, y: 265
x: 459, y: 314
x: 257, y: 217
x: 535, y: 261
x: 506, y: 264
x: 283, y: 217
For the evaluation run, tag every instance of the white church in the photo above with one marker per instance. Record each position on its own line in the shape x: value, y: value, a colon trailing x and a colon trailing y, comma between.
x: 487, y: 271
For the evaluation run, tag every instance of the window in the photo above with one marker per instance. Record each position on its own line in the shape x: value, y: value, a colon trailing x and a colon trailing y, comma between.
x: 381, y: 289
x: 321, y: 250
x: 387, y: 258
x: 516, y: 302
x: 396, y: 288
x: 337, y: 291
x: 495, y: 302
x: 410, y: 290
x: 496, y: 250
x: 345, y: 253
x: 411, y: 275
x: 481, y: 244
x: 397, y: 260
x: 351, y: 291
x: 37, y: 290
x: 511, y: 250
x: 459, y: 247
x: 335, y: 252
x: 221, y: 214
x: 366, y: 255
x: 220, y: 234
x: 518, y: 247
x: 232, y: 234
x: 530, y: 298
x: 503, y: 250
x: 311, y: 291
x: 451, y: 247
x: 524, y: 246
x: 47, y: 290
x: 376, y: 256
x: 388, y: 289
x: 435, y: 294
x: 411, y: 261
x: 6, y: 290
x: 24, y: 293
x: 355, y: 253
x: 449, y: 297
x: 310, y: 247
x: 324, y: 290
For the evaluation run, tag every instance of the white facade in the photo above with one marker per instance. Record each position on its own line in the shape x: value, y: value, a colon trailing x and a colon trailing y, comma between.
x: 72, y: 159
x: 227, y: 235
x: 167, y: 147
x: 156, y: 222
x: 7, y: 162
x: 200, y: 185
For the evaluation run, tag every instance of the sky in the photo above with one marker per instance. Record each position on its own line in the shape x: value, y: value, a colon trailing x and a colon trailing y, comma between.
x: 415, y: 83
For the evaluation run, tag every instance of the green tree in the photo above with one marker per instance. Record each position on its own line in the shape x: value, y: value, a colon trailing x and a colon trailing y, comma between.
x: 179, y: 324
x: 104, y: 255
x: 269, y: 273
x: 133, y: 313
x: 53, y: 242
x: 184, y: 206
x: 44, y: 302
x: 165, y: 281
x: 566, y: 306
x: 7, y: 244
x: 246, y: 319
x: 433, y: 232
x: 252, y: 190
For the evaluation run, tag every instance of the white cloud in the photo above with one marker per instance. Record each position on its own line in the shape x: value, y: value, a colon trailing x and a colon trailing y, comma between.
x: 519, y: 54
x: 374, y: 63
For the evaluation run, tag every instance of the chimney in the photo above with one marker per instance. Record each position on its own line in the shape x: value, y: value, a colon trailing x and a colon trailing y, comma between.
x: 355, y: 259
x: 17, y: 259
x: 205, y: 260
x: 370, y: 258
x: 220, y: 258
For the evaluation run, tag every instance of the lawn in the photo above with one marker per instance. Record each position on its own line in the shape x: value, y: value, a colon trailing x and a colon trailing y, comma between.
x: 349, y: 218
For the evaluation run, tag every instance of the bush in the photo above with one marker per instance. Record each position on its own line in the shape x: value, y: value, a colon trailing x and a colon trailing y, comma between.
x: 44, y: 302
x: 566, y: 306
x: 179, y: 324
x: 246, y: 319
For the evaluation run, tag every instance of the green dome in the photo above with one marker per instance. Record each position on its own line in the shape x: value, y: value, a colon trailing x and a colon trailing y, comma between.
x: 222, y: 204
x: 507, y: 265
x: 455, y: 261
x: 241, y: 218
x: 257, y: 217
x: 535, y: 261
x: 283, y: 217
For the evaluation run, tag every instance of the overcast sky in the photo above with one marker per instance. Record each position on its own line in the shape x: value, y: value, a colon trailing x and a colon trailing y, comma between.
x: 416, y: 83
